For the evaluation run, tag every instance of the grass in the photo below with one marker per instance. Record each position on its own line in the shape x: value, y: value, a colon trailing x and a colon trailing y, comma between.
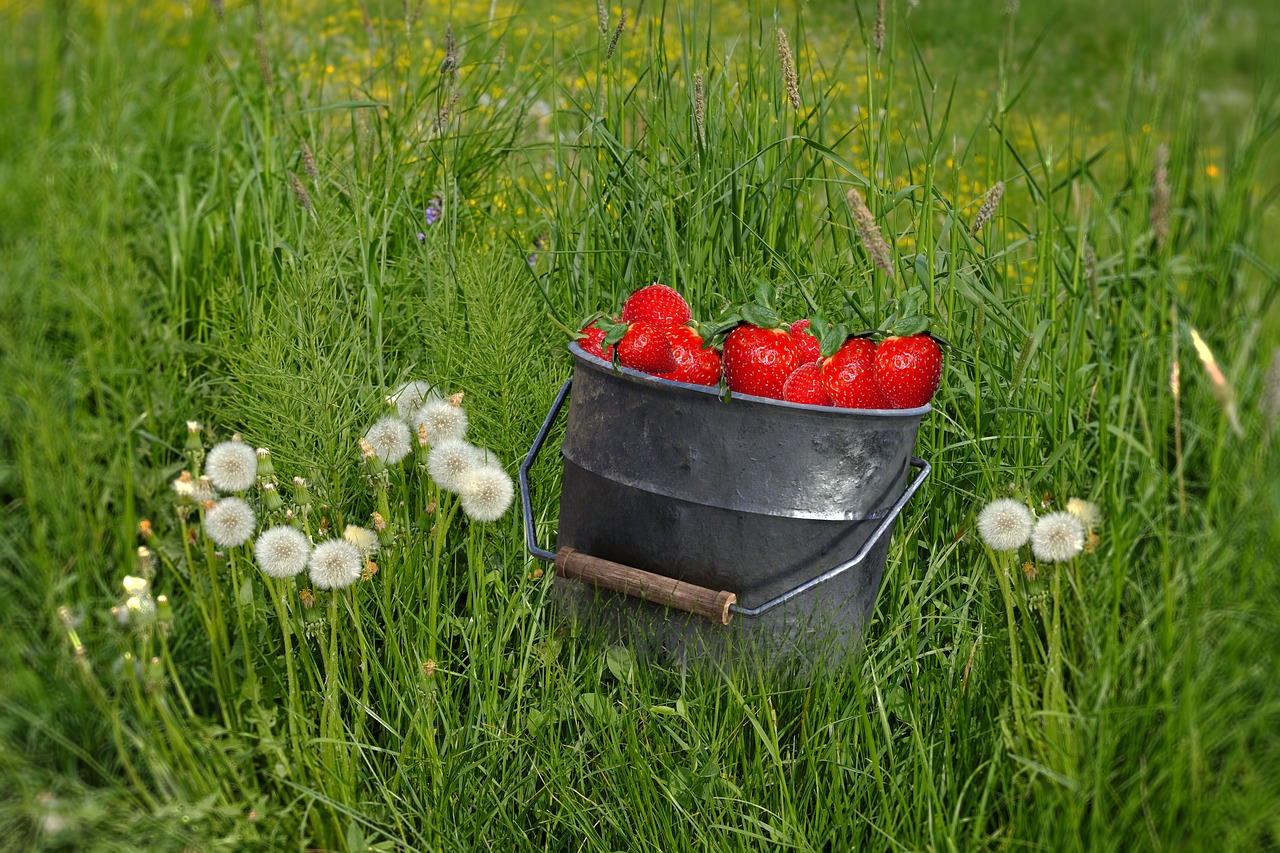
x: 161, y: 266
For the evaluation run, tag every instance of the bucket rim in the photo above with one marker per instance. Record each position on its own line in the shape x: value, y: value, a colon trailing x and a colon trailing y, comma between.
x: 714, y: 390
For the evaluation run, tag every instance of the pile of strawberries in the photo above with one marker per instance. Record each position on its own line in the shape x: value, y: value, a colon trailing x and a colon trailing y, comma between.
x: 656, y: 335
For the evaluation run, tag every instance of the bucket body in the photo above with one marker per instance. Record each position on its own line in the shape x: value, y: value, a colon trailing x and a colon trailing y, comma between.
x: 748, y: 495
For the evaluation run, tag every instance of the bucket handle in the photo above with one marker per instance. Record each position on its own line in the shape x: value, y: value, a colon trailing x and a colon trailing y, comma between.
x: 716, y: 605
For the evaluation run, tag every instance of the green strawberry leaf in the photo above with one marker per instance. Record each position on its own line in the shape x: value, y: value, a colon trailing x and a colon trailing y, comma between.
x: 614, y: 334
x: 759, y: 315
x: 713, y: 332
x: 833, y: 340
x: 908, y: 326
x: 764, y: 293
x: 908, y: 304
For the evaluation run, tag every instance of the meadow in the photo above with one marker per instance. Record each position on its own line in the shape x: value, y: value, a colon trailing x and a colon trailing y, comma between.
x: 263, y: 220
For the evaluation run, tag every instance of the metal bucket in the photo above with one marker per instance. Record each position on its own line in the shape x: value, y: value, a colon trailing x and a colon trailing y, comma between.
x: 767, y: 523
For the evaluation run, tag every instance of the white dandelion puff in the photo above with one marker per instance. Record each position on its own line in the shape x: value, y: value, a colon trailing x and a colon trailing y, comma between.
x: 1057, y: 537
x: 363, y: 538
x: 335, y: 564
x: 134, y: 585
x: 486, y: 493
x: 442, y: 420
x: 229, y: 522
x: 203, y: 492
x: 232, y: 466
x: 451, y: 461
x: 185, y: 486
x: 1086, y: 511
x: 410, y: 397
x: 282, y: 551
x: 390, y: 439
x: 1005, y: 524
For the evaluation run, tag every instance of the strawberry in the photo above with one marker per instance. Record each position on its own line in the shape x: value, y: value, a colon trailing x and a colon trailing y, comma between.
x: 657, y: 304
x: 592, y: 341
x: 696, y: 365
x: 804, y: 385
x: 807, y: 346
x: 758, y: 361
x: 849, y: 376
x: 645, y: 347
x: 908, y: 369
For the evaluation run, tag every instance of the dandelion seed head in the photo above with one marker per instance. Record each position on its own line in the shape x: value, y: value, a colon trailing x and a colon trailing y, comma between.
x: 390, y: 439
x: 410, y: 397
x: 486, y: 493
x: 451, y: 461
x: 134, y: 585
x: 335, y: 564
x: 184, y: 486
x: 1086, y: 511
x: 193, y: 427
x: 204, y: 492
x: 1005, y: 524
x: 229, y: 522
x: 363, y: 538
x: 282, y: 552
x: 442, y: 420
x: 1057, y: 537
x: 232, y: 466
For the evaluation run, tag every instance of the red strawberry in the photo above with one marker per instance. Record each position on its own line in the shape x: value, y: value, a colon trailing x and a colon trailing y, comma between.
x: 695, y: 365
x: 758, y: 361
x: 805, y: 386
x: 849, y: 376
x: 657, y: 304
x: 807, y: 346
x: 645, y: 348
x: 592, y: 342
x: 908, y: 370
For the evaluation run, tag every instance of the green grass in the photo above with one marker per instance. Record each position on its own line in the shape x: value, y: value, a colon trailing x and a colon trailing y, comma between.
x: 158, y: 266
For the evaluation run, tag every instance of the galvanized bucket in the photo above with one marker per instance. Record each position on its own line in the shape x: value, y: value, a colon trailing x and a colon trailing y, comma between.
x: 732, y: 530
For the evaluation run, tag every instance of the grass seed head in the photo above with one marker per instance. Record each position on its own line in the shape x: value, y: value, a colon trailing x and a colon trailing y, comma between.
x: 699, y: 108
x: 1271, y: 389
x: 878, y: 32
x: 309, y: 163
x: 872, y: 240
x: 617, y: 35
x: 1160, y: 196
x: 988, y: 208
x: 789, y: 78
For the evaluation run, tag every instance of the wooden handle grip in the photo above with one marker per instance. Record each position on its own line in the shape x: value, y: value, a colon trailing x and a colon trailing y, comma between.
x: 656, y: 589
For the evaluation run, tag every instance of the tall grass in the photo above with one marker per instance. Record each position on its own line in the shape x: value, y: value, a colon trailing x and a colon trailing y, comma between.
x: 161, y: 266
